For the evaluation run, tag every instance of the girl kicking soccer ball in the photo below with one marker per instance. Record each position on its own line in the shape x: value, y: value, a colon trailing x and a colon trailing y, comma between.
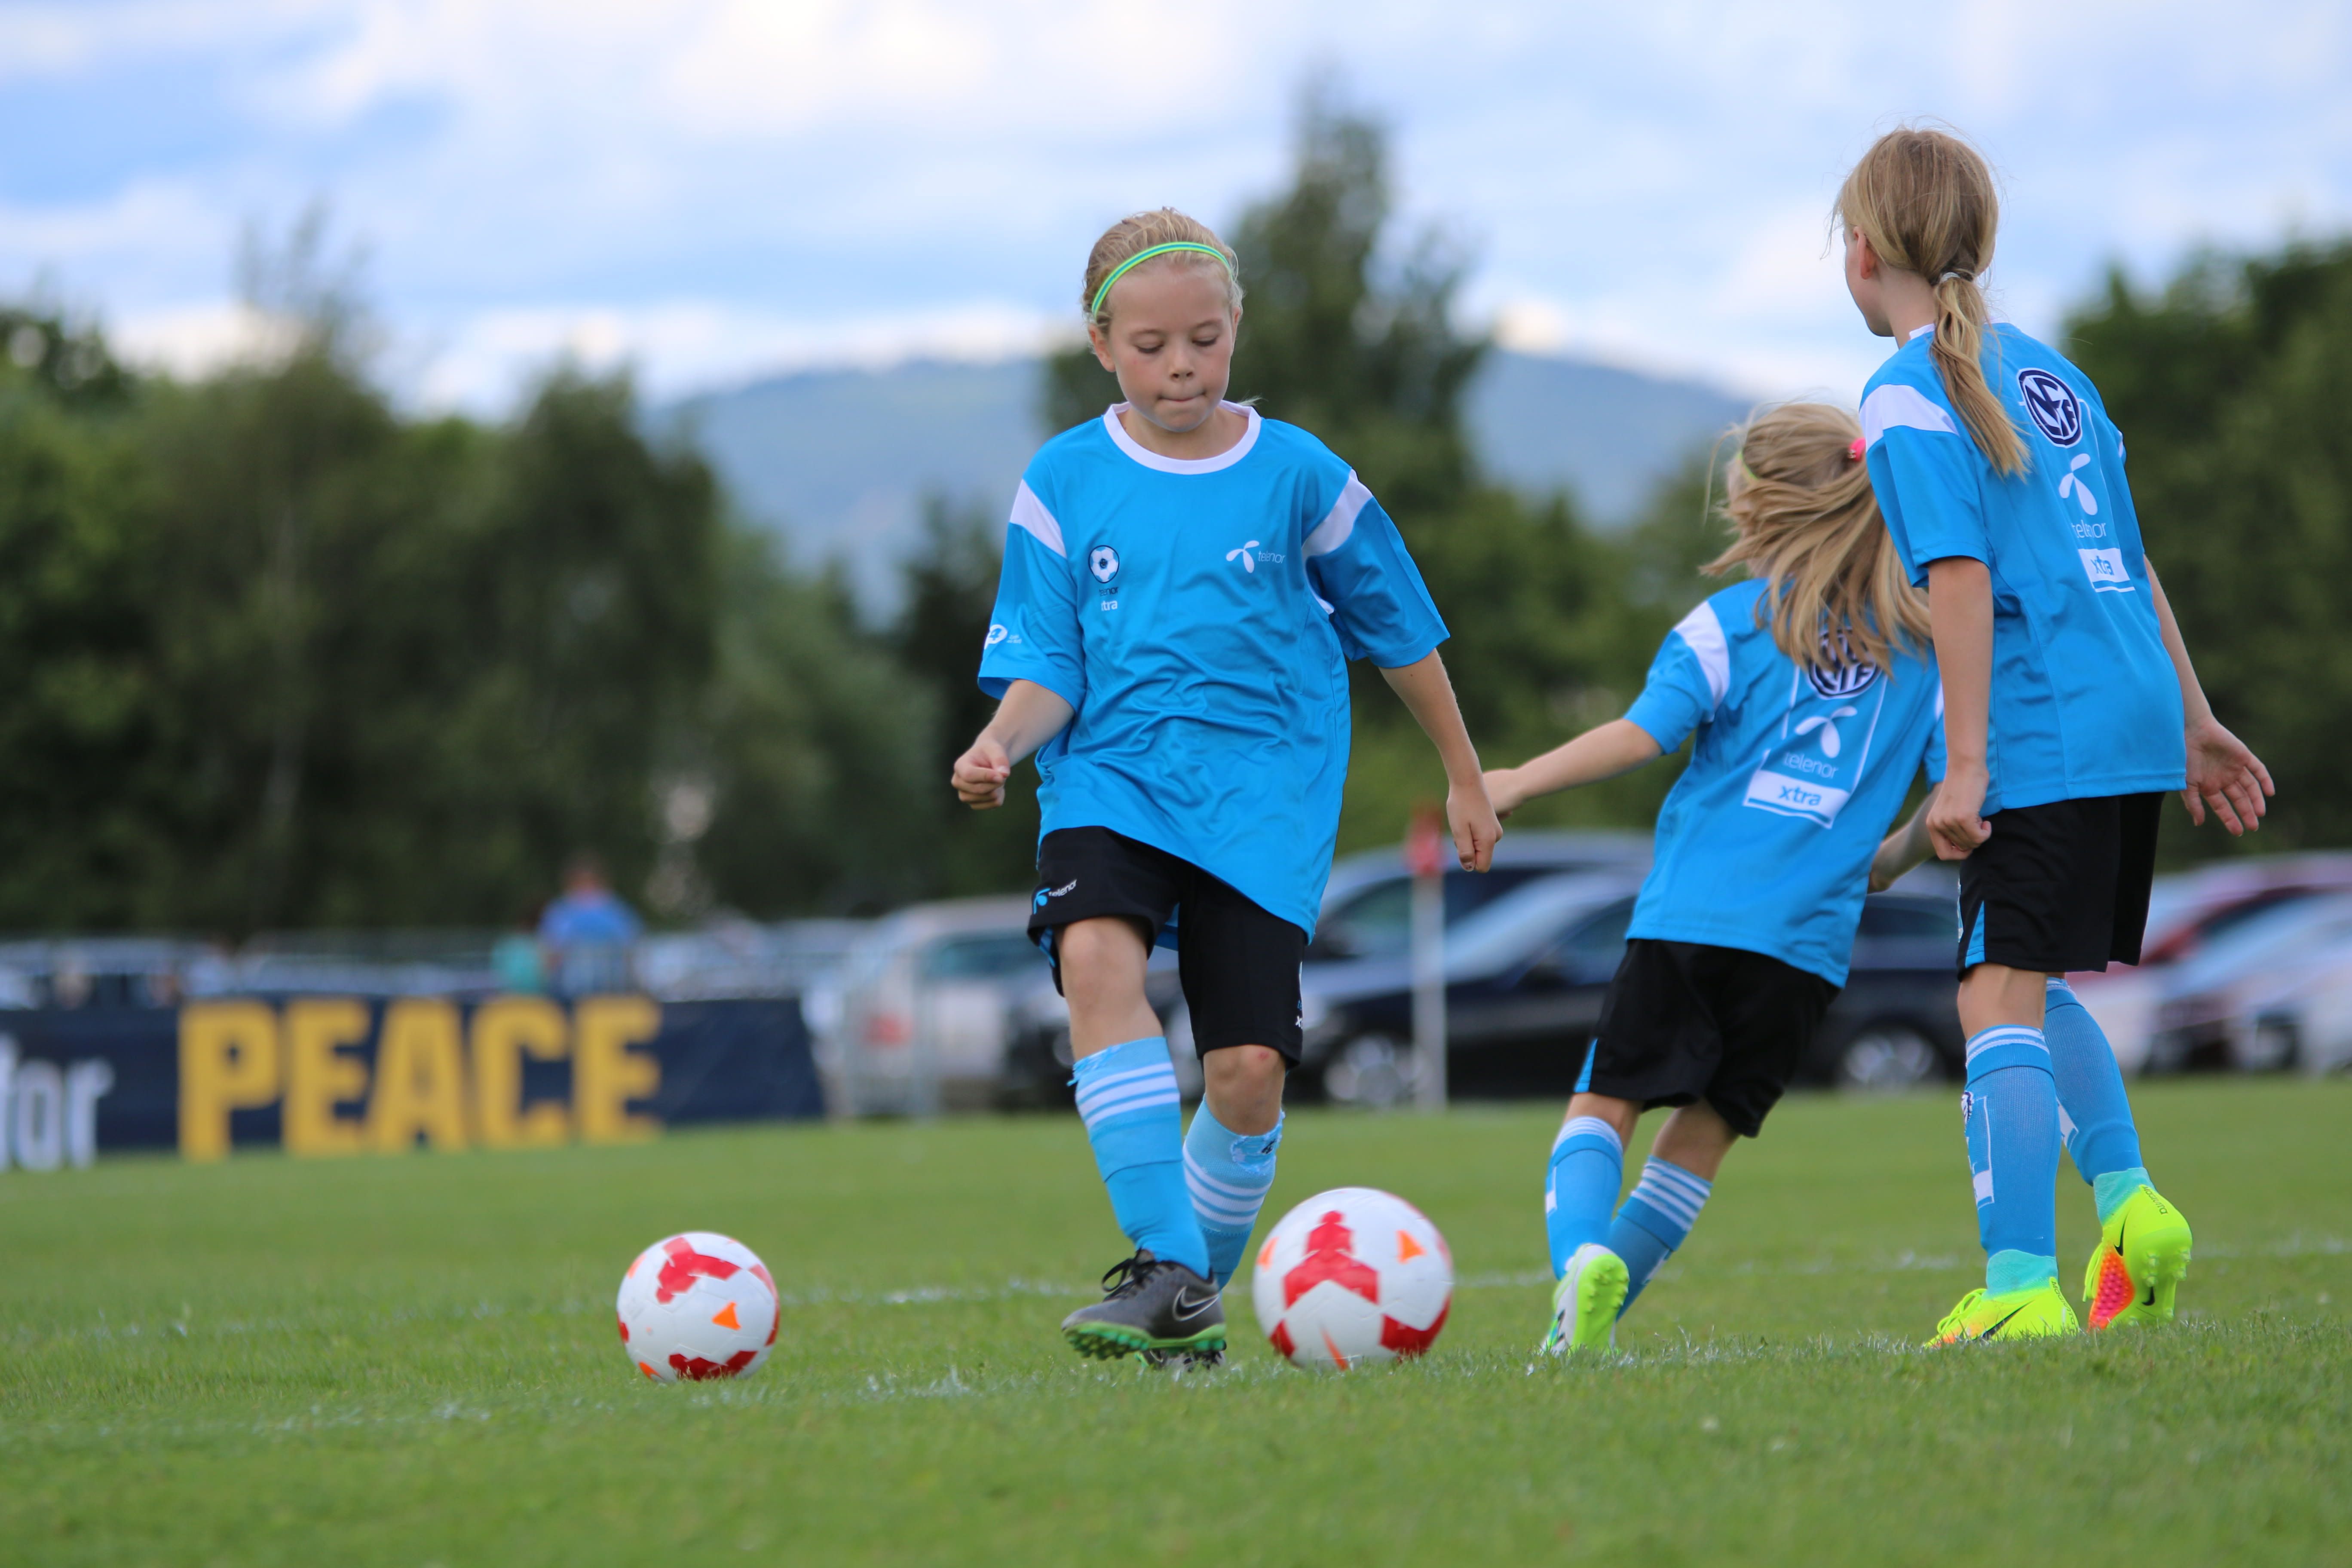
x: 1812, y: 692
x: 2070, y: 707
x: 1183, y: 583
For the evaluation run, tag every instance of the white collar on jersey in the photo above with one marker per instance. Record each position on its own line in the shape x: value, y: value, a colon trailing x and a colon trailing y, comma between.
x: 1150, y: 459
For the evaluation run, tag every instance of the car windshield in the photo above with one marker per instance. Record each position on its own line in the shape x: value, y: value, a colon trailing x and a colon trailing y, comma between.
x: 1907, y: 918
x: 1376, y: 922
x: 1514, y: 926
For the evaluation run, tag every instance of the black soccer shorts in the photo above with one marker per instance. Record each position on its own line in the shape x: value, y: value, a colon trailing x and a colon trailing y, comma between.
x: 1686, y: 1021
x: 2060, y: 887
x: 1239, y: 964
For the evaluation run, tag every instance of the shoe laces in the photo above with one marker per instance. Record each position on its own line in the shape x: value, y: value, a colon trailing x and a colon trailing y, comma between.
x: 1957, y: 1317
x: 1129, y: 1275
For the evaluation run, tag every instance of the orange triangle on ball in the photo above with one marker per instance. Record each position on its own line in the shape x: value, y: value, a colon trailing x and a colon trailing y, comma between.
x: 1408, y: 1248
x: 726, y: 1318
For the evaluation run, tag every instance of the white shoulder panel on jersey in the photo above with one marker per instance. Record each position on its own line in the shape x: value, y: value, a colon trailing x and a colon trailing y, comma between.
x: 1030, y: 515
x: 1340, y: 520
x: 1893, y: 405
x: 1703, y: 634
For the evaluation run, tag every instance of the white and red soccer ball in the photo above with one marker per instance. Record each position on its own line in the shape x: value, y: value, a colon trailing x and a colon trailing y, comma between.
x: 698, y: 1306
x: 1351, y: 1276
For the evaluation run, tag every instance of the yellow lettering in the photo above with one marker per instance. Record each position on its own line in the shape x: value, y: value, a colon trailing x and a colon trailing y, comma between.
x: 606, y: 1074
x: 505, y: 1031
x: 318, y: 1075
x: 228, y: 1061
x: 420, y: 1078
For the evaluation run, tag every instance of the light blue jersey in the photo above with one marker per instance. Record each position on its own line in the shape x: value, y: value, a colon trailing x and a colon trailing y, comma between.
x: 1199, y: 615
x: 2085, y: 702
x: 1765, y: 842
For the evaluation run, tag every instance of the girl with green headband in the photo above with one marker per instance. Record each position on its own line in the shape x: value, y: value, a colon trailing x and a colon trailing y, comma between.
x: 1184, y: 581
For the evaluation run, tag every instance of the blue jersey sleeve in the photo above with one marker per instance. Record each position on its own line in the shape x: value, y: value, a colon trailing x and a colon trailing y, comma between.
x: 1356, y: 563
x: 1686, y: 681
x: 1032, y: 632
x: 1925, y: 470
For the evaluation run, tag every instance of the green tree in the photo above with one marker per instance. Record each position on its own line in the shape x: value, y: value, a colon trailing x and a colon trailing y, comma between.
x: 2232, y: 387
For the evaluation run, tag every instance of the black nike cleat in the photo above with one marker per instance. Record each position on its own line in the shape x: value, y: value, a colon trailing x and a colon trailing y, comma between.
x: 1160, y: 1309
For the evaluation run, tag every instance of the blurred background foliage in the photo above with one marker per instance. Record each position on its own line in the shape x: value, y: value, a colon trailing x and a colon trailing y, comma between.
x: 283, y: 654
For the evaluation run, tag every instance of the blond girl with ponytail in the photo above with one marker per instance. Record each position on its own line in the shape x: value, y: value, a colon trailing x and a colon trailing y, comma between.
x: 2070, y: 707
x: 1812, y: 694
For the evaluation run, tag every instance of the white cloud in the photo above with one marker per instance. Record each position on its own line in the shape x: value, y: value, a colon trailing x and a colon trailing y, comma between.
x: 695, y: 183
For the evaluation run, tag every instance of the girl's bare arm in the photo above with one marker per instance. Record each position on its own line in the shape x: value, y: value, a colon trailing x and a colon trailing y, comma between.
x: 1602, y: 753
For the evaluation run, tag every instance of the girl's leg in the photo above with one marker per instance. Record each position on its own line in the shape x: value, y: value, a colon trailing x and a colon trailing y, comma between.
x: 1676, y: 1180
x: 2094, y: 1113
x: 1587, y: 1171
x: 1127, y: 1089
x: 1229, y: 1155
x: 2010, y: 1114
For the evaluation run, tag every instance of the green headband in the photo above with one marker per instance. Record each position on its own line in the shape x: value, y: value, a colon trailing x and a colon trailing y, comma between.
x: 1140, y: 257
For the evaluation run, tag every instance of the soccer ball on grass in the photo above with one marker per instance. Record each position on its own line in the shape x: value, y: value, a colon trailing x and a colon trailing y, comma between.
x: 1351, y: 1276
x: 698, y: 1306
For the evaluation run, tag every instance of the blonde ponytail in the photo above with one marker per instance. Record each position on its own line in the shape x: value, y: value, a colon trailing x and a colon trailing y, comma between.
x: 1926, y: 202
x: 1799, y: 494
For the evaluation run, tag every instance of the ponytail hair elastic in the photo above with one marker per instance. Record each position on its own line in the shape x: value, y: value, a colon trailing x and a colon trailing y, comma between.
x: 1140, y: 257
x: 1955, y: 272
x: 1854, y: 453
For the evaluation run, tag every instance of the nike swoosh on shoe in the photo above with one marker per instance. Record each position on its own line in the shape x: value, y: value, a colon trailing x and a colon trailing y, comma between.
x: 1184, y: 1311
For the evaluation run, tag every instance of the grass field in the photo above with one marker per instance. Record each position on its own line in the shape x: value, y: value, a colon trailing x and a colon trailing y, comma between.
x: 413, y: 1361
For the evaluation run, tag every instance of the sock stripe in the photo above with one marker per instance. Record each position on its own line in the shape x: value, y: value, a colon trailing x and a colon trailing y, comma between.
x: 1201, y: 1179
x: 1096, y: 1086
x: 1214, y: 1197
x: 1146, y: 1097
x: 1588, y: 1127
x: 2014, y: 1035
x: 1673, y: 1175
x: 1677, y: 1203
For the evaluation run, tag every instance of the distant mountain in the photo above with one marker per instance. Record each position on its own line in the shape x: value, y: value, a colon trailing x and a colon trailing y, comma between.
x: 840, y: 460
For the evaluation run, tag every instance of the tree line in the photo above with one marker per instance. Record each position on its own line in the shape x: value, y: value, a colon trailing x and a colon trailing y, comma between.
x: 280, y: 654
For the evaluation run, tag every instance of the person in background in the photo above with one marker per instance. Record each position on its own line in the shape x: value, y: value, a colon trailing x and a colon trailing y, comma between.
x: 584, y: 935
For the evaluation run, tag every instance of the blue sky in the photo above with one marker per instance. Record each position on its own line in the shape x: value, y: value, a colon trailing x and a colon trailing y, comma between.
x: 712, y: 189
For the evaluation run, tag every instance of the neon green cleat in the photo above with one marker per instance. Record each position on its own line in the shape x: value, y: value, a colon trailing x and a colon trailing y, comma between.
x: 2142, y: 1255
x: 1584, y: 1303
x: 2038, y: 1313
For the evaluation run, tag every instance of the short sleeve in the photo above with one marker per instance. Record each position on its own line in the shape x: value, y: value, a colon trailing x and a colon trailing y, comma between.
x: 1032, y: 632
x: 1687, y: 680
x: 1925, y: 470
x: 1356, y: 563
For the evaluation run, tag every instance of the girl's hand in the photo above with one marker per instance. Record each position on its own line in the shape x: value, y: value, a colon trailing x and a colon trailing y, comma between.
x: 1954, y: 825
x: 2225, y: 774
x: 1502, y: 791
x: 979, y: 774
x: 1472, y: 817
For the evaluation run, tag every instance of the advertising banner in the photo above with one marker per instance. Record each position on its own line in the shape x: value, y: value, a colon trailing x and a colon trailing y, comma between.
x: 343, y: 1075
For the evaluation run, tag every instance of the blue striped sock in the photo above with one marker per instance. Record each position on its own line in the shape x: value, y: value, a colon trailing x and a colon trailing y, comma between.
x: 1127, y: 1097
x: 1654, y: 1220
x: 2094, y: 1114
x: 1228, y: 1174
x: 1588, y: 1166
x: 2010, y: 1112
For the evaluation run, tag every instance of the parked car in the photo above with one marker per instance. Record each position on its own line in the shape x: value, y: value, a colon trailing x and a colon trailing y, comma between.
x: 2214, y: 1008
x: 1367, y: 908
x: 916, y: 1017
x: 2188, y: 912
x: 1526, y: 974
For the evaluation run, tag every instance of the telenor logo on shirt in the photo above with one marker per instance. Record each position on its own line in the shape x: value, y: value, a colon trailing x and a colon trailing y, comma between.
x: 2052, y: 405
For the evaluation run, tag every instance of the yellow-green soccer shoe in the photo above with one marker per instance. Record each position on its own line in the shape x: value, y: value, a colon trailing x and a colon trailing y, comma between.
x: 2038, y: 1313
x: 2142, y: 1255
x: 1584, y: 1303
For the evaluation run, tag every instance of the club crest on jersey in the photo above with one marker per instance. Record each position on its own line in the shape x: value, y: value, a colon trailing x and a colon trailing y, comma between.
x: 1839, y: 674
x: 1103, y: 561
x: 2052, y: 405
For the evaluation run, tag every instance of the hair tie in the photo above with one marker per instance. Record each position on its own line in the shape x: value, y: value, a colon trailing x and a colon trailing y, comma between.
x: 1140, y: 257
x: 1963, y: 277
x: 1854, y: 453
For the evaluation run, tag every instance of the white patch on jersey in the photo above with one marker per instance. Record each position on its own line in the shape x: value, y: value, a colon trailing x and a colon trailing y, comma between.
x: 1896, y: 406
x: 1703, y: 635
x: 1340, y: 520
x: 1029, y: 515
x: 2106, y: 570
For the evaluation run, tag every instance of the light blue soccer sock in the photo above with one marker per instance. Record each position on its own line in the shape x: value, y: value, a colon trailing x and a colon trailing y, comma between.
x: 2010, y: 1109
x: 1654, y: 1220
x: 1228, y: 1174
x: 1128, y: 1095
x: 2093, y: 1112
x: 1588, y: 1166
